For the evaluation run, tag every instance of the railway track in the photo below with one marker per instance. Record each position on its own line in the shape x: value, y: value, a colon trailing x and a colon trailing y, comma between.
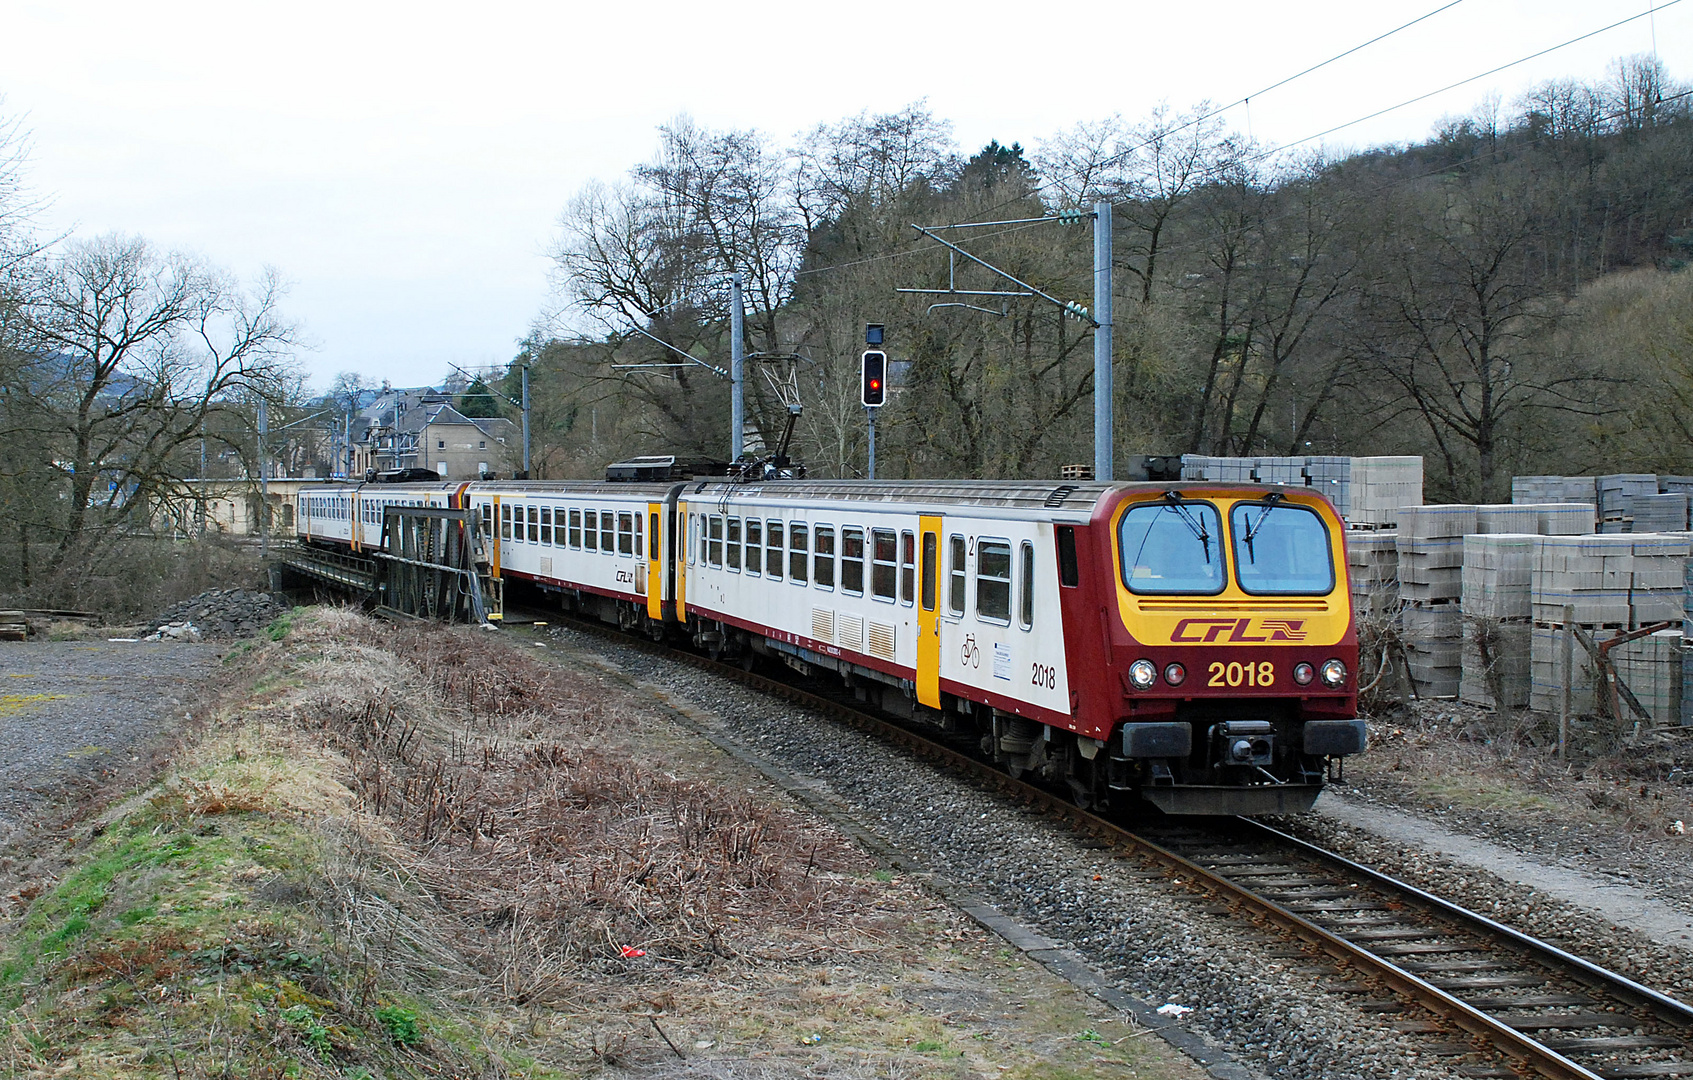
x: 1489, y: 999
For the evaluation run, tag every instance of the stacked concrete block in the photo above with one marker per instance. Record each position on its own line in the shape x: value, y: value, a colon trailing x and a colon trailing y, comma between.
x: 1554, y: 489
x: 1681, y: 484
x: 1686, y: 638
x: 1497, y: 602
x: 1592, y: 574
x: 1381, y: 485
x: 1656, y: 513
x: 1616, y: 493
x: 1498, y: 575
x: 1651, y: 668
x: 1657, y: 581
x: 1431, y: 551
x: 1331, y: 477
x: 1372, y: 567
x: 1507, y: 518
x: 1372, y: 563
x: 1365, y: 491
x: 1496, y: 655
x: 1433, y: 636
x: 1546, y: 658
x: 1564, y: 519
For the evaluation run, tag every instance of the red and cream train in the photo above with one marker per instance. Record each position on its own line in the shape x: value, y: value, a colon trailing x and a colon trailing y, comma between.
x: 1188, y: 644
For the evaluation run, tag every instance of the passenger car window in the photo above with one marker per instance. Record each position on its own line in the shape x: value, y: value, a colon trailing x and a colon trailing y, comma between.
x: 1026, y: 578
x: 797, y: 553
x: 640, y: 548
x: 955, y: 596
x: 534, y: 524
x: 907, y: 567
x: 755, y: 545
x: 734, y: 552
x: 823, y: 558
x: 625, y: 533
x: 773, y: 551
x: 931, y: 572
x: 714, y: 539
x: 590, y: 530
x: 993, y: 580
x: 1172, y: 547
x: 852, y: 561
x: 576, y: 528
x: 884, y: 565
x: 607, y: 527
x: 547, y: 525
x: 505, y: 522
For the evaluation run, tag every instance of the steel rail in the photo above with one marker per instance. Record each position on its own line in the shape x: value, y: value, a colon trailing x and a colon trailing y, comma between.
x: 1662, y: 1005
x: 1507, y: 1040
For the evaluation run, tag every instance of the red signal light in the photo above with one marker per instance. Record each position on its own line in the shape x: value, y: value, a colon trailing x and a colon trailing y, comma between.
x: 874, y: 367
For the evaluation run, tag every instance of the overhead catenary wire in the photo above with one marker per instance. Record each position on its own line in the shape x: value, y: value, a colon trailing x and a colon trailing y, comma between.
x: 1467, y: 81
x: 1119, y: 156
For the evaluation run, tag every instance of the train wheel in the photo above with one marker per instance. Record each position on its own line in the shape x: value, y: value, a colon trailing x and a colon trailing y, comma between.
x: 1086, y: 778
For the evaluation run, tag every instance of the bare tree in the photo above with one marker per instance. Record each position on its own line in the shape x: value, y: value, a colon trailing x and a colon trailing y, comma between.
x: 129, y: 353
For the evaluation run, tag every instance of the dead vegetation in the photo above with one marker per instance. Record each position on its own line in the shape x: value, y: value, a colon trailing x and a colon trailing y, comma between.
x: 557, y: 851
x: 420, y: 852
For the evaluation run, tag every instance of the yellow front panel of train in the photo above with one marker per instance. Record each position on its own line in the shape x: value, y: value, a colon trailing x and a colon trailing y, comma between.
x: 1233, y: 617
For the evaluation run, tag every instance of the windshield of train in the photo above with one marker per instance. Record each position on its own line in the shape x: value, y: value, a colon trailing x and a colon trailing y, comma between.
x: 1172, y: 547
x: 1280, y: 549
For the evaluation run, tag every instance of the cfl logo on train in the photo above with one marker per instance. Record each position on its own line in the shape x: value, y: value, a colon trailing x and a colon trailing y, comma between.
x: 1210, y: 631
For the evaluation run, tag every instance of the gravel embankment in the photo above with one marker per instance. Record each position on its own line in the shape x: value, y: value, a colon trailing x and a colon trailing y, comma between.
x: 1276, y: 1013
x: 73, y: 712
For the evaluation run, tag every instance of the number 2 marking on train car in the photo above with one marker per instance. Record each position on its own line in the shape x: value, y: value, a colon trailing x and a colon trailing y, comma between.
x: 1235, y: 673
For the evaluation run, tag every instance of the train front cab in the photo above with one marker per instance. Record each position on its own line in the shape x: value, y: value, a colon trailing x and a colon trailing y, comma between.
x: 1233, y: 648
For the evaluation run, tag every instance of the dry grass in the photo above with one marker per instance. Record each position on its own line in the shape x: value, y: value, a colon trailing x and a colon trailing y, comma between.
x: 558, y: 850
x: 1504, y: 763
x: 378, y: 827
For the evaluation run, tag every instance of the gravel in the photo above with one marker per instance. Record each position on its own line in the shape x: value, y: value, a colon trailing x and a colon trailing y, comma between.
x: 218, y: 615
x: 1277, y: 1013
x: 73, y: 713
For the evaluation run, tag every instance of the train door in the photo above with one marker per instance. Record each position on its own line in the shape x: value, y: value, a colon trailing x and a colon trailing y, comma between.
x: 655, y: 570
x: 681, y: 537
x: 928, y: 613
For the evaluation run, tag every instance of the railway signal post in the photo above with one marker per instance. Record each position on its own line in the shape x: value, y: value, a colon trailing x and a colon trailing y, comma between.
x: 873, y: 386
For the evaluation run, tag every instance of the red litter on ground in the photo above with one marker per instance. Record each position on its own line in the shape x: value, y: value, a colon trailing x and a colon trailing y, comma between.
x: 630, y: 952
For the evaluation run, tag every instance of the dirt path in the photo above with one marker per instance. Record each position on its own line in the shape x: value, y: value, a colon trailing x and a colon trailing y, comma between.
x: 74, y: 711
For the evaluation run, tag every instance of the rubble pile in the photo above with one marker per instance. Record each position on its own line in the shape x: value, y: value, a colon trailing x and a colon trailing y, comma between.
x: 217, y: 614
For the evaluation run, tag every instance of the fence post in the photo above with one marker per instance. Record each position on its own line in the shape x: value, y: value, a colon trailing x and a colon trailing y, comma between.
x: 1569, y: 683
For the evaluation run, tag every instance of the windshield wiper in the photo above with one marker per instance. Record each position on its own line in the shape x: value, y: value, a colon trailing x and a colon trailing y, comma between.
x: 1195, y: 526
x: 1270, y: 502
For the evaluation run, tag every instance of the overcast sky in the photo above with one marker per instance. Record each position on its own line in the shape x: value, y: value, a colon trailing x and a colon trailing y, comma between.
x: 404, y: 165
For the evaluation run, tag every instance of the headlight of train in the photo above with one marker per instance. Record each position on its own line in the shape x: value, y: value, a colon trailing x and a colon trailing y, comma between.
x: 1303, y: 673
x: 1334, y: 673
x: 1174, y: 674
x: 1143, y: 674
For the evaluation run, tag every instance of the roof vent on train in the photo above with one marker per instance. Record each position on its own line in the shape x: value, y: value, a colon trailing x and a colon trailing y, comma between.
x: 403, y: 476
x: 1058, y: 494
x: 663, y: 467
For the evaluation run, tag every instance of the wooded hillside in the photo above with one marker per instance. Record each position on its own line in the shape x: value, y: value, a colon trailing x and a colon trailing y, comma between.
x: 1509, y: 296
